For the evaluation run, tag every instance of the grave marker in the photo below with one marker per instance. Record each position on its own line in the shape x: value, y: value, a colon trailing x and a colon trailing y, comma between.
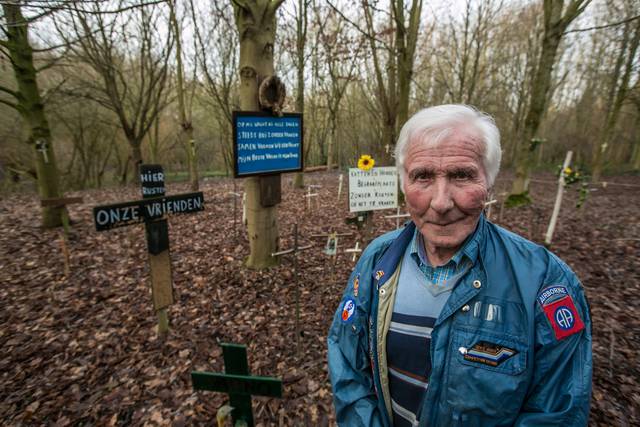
x: 42, y: 147
x: 558, y: 202
x: 488, y: 206
x: 355, y: 251
x: 57, y: 203
x: 308, y: 196
x: 294, y: 251
x: 152, y: 210
x: 397, y: 216
x: 237, y: 383
x: 235, y: 196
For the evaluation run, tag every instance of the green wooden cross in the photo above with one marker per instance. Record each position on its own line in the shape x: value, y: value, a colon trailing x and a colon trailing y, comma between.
x: 237, y: 383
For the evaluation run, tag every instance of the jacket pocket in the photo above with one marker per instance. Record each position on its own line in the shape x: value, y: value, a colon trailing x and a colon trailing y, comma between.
x: 486, y: 376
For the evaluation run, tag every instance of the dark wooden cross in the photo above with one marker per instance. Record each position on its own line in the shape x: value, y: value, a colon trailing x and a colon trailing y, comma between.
x: 237, y: 383
x: 152, y: 210
x: 294, y: 251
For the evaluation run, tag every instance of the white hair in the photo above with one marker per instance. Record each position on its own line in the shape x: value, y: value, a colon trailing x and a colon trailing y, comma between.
x: 434, y: 124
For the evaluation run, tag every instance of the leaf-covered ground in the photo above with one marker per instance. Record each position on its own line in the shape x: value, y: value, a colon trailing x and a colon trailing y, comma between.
x: 82, y: 349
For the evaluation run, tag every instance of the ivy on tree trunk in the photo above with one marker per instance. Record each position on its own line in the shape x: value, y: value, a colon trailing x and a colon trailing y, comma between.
x: 28, y: 103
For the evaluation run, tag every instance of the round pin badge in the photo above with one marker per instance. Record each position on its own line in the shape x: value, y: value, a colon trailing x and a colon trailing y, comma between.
x: 348, y: 310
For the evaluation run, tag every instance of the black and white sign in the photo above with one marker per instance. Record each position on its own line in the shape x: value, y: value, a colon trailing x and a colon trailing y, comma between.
x: 122, y: 214
x: 152, y: 181
x: 374, y: 189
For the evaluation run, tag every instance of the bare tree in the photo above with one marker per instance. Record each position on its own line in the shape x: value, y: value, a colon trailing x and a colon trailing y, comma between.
x: 619, y: 88
x: 129, y: 62
x: 556, y: 20
x: 339, y: 52
x: 398, y: 39
x: 184, y: 110
x: 26, y: 99
x: 216, y: 42
x: 301, y: 20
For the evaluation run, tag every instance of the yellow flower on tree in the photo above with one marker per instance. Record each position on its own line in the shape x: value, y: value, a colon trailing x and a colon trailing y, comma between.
x: 366, y: 162
x: 567, y: 170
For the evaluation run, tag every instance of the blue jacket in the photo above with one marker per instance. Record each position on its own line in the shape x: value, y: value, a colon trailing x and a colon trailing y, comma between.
x: 512, y: 345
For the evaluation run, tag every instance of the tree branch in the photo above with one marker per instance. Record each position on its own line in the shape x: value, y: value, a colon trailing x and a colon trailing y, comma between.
x: 11, y: 104
x: 9, y: 91
x: 600, y: 27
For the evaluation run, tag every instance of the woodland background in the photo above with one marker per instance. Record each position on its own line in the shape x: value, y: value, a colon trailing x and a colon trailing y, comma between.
x: 109, y: 80
x: 121, y: 82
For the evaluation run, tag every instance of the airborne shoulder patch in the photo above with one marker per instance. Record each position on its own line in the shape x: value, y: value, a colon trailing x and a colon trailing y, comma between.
x: 560, y: 310
x: 552, y: 293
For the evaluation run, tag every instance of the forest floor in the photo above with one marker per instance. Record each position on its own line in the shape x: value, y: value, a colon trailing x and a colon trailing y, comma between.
x: 83, y: 350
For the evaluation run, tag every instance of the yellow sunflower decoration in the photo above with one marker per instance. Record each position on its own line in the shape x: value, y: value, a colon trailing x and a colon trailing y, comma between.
x: 366, y: 162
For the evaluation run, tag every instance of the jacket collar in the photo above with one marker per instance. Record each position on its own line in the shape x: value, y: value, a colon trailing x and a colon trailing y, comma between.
x: 388, y: 263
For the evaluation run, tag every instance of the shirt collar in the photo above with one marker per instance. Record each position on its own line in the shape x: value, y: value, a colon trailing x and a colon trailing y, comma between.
x: 468, y: 250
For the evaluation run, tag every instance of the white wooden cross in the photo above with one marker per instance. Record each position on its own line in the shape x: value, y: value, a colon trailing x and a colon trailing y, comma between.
x: 397, y: 216
x: 354, y: 251
x: 235, y: 196
x: 489, y: 204
x: 244, y: 208
x: 309, y: 195
x: 42, y: 147
x: 556, y: 207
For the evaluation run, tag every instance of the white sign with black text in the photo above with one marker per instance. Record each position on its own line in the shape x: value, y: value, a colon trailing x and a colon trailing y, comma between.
x: 374, y: 189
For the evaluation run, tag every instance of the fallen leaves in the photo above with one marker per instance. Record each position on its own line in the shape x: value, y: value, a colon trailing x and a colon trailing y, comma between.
x: 82, y: 350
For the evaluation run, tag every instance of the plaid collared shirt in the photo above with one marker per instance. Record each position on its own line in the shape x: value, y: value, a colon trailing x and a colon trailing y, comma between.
x: 441, y: 276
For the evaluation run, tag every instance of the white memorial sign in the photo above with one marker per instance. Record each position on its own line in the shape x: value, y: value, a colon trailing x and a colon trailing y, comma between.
x: 374, y: 189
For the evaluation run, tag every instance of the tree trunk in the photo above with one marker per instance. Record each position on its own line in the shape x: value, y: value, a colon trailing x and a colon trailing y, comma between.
x: 406, y: 41
x: 555, y: 23
x: 635, y: 154
x: 30, y: 106
x: 154, y: 141
x: 332, y: 142
x: 301, y: 36
x: 186, y: 125
x: 256, y: 23
x: 619, y: 93
x: 136, y: 160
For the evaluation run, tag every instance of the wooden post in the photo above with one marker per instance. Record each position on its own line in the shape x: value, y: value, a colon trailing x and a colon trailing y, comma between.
x: 235, y: 196
x: 556, y: 206
x: 397, y: 216
x: 503, y: 195
x: 355, y: 251
x: 62, y: 203
x: 488, y: 206
x: 294, y: 251
x: 340, y: 186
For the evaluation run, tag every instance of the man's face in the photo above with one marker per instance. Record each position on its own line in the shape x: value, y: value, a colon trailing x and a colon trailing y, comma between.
x: 445, y: 188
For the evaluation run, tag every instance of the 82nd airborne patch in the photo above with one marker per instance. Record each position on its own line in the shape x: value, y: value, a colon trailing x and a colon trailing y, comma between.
x: 560, y: 310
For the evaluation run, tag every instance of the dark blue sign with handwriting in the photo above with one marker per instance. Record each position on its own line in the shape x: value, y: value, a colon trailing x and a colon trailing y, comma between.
x: 265, y: 144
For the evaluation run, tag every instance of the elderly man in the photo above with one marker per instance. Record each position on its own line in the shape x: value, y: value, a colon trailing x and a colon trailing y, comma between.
x: 454, y: 321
